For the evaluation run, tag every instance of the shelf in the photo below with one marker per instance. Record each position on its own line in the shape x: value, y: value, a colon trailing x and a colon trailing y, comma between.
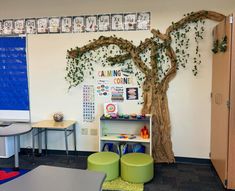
x: 114, y: 137
x: 147, y: 118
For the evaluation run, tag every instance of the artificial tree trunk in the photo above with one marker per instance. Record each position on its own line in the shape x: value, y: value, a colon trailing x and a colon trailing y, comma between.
x: 156, y: 104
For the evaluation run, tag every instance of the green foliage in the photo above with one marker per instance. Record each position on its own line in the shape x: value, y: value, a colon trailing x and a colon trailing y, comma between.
x: 220, y: 46
x: 112, y: 55
x: 223, y: 44
x: 215, y: 48
x: 182, y: 43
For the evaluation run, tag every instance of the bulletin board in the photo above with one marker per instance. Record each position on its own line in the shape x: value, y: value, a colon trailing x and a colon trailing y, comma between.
x: 13, y: 74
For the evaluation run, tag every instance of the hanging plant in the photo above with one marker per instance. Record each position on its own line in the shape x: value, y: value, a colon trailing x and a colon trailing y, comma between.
x: 215, y: 48
x: 223, y: 44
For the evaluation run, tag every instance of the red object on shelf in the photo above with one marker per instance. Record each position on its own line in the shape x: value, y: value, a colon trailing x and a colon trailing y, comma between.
x: 144, y: 132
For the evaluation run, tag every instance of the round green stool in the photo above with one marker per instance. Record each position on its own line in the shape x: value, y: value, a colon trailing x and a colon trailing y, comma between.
x: 107, y: 162
x: 137, y: 167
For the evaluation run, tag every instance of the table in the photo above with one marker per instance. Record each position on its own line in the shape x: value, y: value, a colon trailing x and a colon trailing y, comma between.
x: 48, y: 178
x: 68, y: 126
x: 15, y: 129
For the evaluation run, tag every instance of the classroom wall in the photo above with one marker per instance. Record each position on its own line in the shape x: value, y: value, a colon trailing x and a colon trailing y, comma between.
x: 189, y: 96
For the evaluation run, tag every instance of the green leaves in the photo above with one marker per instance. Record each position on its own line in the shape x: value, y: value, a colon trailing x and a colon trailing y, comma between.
x: 220, y: 46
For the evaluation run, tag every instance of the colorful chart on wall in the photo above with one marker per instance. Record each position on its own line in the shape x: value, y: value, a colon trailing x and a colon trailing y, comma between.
x: 103, y: 88
x: 117, y: 93
x: 13, y: 74
x: 88, y: 103
x: 132, y: 94
x: 110, y: 108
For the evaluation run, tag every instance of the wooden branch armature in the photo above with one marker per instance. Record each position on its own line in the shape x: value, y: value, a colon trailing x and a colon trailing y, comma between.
x: 120, y: 42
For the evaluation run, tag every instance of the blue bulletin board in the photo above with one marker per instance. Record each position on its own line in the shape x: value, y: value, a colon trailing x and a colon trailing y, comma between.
x: 13, y: 74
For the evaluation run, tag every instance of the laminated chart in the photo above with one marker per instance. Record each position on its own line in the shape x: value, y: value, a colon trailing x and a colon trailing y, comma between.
x: 88, y: 103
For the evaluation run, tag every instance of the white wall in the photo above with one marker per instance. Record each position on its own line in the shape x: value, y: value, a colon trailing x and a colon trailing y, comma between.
x: 189, y: 96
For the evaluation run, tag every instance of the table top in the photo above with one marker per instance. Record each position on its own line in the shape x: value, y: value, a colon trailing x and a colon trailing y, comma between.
x: 15, y: 129
x: 44, y: 178
x: 51, y: 124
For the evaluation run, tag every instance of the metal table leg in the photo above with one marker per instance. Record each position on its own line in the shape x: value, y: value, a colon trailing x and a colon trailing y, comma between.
x: 74, y: 137
x: 46, y: 141
x: 33, y: 146
x: 66, y: 142
x: 16, y: 138
x: 39, y: 142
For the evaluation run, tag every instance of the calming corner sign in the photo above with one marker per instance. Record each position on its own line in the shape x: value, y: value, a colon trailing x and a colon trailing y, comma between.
x: 117, y: 75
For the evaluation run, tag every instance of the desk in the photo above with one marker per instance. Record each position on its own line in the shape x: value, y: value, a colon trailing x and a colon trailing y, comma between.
x: 68, y: 126
x: 15, y: 129
x: 48, y: 178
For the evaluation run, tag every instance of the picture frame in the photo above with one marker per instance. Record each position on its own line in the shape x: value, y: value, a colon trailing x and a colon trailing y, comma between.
x: 54, y: 25
x: 78, y: 24
x: 30, y: 26
x: 143, y: 21
x: 91, y: 23
x: 129, y: 21
x: 104, y: 22
x: 117, y: 22
x: 42, y: 25
x: 8, y: 27
x: 19, y: 26
x: 66, y: 24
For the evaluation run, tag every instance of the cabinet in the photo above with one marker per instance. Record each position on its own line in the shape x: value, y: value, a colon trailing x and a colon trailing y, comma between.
x: 111, y: 130
x: 223, y: 105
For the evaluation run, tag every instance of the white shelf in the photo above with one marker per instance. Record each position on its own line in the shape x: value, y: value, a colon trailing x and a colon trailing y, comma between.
x: 111, y: 129
x: 115, y: 137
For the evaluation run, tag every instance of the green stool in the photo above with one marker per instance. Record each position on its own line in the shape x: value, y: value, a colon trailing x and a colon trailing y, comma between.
x: 107, y: 162
x: 137, y: 167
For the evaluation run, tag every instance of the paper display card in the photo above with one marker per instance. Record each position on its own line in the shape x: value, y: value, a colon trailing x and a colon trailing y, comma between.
x: 104, y: 22
x: 132, y: 94
x: 30, y: 26
x: 117, y: 22
x: 1, y: 27
x: 91, y: 23
x: 7, y: 27
x: 54, y: 25
x: 42, y: 25
x: 78, y: 24
x: 66, y: 24
x: 110, y: 108
x: 19, y: 26
x: 143, y: 21
x: 88, y: 103
x: 130, y: 21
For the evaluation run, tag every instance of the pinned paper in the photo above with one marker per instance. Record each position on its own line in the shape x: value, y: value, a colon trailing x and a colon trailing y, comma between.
x: 132, y: 94
x: 88, y: 103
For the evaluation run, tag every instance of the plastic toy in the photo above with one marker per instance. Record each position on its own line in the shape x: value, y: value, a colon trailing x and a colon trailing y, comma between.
x: 107, y: 116
x: 144, y: 133
x: 126, y: 116
x: 139, y: 116
x: 133, y: 115
x: 120, y: 116
x: 113, y: 116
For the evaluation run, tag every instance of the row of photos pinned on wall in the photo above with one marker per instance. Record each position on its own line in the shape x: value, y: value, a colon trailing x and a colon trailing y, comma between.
x: 77, y: 24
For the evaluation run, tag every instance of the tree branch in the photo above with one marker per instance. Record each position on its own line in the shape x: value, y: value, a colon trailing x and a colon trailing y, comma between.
x: 193, y: 17
x: 105, y: 41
